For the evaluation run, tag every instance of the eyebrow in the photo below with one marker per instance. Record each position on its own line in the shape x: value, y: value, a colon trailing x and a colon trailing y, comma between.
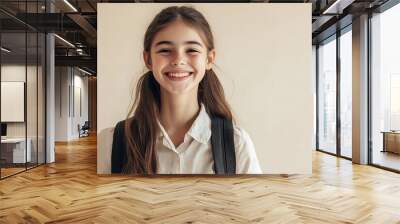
x: 171, y: 43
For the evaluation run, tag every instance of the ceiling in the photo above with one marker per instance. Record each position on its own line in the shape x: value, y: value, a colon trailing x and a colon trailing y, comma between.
x: 76, y: 22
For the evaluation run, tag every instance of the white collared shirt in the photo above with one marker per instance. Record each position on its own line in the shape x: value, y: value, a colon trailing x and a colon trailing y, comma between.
x: 194, y: 154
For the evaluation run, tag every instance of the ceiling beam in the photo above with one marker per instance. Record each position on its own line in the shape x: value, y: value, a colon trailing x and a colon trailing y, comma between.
x: 84, y: 61
x: 84, y: 24
x: 337, y: 7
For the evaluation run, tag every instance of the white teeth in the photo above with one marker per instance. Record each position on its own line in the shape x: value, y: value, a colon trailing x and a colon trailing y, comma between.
x: 178, y: 74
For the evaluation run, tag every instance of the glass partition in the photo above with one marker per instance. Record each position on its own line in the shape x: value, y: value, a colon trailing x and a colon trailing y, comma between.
x: 31, y: 100
x: 22, y: 77
x: 385, y: 89
x: 13, y: 95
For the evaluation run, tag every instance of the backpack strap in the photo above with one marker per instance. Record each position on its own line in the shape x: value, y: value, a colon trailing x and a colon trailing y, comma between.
x: 222, y: 144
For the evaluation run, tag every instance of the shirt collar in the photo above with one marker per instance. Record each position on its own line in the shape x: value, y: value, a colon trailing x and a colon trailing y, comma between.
x: 200, y: 129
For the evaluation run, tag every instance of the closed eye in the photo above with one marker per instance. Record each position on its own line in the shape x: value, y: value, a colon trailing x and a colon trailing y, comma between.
x: 164, y: 51
x: 193, y: 51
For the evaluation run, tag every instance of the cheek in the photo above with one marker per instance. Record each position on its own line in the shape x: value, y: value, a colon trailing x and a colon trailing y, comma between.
x: 158, y: 63
x: 200, y: 63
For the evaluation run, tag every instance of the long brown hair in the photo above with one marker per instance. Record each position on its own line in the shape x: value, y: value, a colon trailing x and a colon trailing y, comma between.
x: 141, y: 128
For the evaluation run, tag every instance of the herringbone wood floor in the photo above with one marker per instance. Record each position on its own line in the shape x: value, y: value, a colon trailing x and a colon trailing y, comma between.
x: 69, y: 191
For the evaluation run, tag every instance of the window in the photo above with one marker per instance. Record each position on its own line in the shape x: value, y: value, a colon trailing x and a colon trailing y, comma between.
x: 385, y: 88
x: 346, y: 93
x: 327, y: 96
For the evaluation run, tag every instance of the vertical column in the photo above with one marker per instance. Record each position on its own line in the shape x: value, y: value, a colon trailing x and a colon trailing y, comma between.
x: 360, y: 90
x: 338, y: 98
x: 50, y: 92
x: 314, y: 72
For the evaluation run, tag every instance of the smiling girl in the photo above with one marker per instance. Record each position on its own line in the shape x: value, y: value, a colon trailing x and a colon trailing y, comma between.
x: 178, y: 101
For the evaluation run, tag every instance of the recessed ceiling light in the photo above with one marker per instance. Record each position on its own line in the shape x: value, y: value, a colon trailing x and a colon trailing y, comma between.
x: 70, y: 5
x: 337, y: 7
x: 64, y: 40
x: 5, y: 50
x: 84, y: 71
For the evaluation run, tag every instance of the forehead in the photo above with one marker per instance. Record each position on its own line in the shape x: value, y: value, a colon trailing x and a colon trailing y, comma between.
x: 178, y: 32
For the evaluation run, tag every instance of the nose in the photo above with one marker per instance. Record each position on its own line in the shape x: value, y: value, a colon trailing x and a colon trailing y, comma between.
x: 179, y: 59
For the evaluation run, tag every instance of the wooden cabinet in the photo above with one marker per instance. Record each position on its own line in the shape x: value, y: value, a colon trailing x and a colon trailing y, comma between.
x: 391, y: 142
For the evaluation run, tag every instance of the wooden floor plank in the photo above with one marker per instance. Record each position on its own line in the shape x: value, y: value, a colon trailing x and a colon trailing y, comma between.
x: 70, y: 191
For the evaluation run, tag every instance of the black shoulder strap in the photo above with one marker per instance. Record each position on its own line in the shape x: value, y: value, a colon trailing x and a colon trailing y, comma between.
x: 222, y: 144
x: 118, y: 148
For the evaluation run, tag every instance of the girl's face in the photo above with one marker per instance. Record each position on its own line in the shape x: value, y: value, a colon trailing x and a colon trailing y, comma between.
x: 178, y: 58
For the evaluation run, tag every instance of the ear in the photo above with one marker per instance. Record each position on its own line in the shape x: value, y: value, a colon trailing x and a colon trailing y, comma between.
x: 147, y: 60
x: 210, y: 59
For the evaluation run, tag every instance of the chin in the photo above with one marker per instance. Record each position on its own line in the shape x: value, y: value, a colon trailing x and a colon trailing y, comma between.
x: 179, y: 90
x: 176, y: 91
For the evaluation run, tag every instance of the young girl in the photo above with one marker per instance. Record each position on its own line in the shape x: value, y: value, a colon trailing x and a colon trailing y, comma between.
x: 176, y: 102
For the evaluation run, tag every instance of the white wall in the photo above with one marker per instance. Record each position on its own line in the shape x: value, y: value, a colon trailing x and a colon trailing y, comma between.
x: 15, y: 73
x: 34, y: 124
x: 80, y: 84
x: 68, y: 80
x: 264, y: 59
x: 11, y: 73
x: 61, y: 103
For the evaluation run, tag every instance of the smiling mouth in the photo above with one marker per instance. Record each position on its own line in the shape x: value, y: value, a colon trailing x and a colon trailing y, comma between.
x: 177, y: 76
